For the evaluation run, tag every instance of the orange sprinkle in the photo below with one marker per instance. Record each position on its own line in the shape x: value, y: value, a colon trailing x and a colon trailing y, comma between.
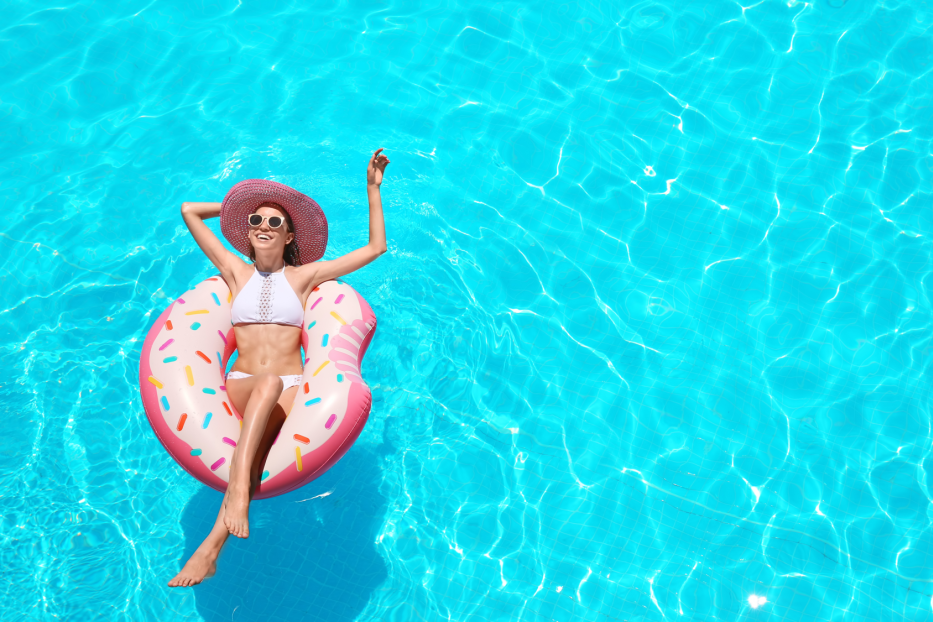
x: 168, y: 324
x: 202, y: 355
x: 302, y: 439
x: 307, y: 389
x: 315, y: 289
x: 181, y: 421
x: 213, y: 278
x: 227, y: 408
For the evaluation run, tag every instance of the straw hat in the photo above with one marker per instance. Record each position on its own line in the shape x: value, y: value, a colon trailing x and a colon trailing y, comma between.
x: 307, y: 217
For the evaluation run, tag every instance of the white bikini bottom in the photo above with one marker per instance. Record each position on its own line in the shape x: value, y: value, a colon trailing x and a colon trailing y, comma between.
x: 287, y: 381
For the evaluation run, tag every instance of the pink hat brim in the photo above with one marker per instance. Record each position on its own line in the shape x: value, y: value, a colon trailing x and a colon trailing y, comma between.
x: 307, y: 216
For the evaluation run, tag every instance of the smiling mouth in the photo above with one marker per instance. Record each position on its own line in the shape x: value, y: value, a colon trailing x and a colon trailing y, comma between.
x: 263, y: 236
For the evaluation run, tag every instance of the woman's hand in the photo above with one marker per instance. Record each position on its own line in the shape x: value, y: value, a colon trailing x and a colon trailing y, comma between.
x: 377, y: 165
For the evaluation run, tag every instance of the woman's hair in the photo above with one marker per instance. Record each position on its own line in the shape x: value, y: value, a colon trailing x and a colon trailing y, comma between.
x: 291, y: 255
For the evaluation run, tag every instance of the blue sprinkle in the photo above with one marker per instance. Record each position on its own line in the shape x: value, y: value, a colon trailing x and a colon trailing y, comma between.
x: 308, y: 403
x: 195, y: 452
x: 265, y: 474
x: 170, y: 359
x: 324, y: 341
x: 207, y: 420
x: 216, y: 299
x: 339, y: 377
x: 196, y: 326
x: 165, y: 403
x: 210, y: 391
x: 219, y: 360
x: 312, y: 324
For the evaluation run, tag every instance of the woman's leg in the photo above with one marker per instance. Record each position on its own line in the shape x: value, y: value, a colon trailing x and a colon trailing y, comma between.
x: 203, y: 562
x: 263, y: 404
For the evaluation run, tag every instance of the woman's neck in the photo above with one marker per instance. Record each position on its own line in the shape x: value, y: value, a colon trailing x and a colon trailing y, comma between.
x: 269, y: 264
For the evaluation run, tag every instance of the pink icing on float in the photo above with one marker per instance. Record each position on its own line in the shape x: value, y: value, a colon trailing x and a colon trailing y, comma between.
x: 325, y: 426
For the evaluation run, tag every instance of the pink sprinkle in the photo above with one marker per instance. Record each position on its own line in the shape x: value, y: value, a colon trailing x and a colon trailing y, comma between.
x: 330, y: 421
x: 181, y: 301
x: 339, y: 298
x: 217, y: 464
x: 315, y: 303
x: 166, y: 344
x: 222, y: 336
x: 229, y: 441
x: 223, y: 388
x: 307, y: 361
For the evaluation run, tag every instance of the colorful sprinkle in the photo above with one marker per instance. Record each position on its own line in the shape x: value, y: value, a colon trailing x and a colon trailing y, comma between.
x: 166, y: 344
x: 202, y: 355
x: 170, y: 359
x: 196, y: 326
x: 315, y: 289
x: 317, y: 371
x: 219, y: 362
x: 311, y: 325
x: 307, y: 388
x: 181, y: 301
x: 298, y: 457
x: 155, y: 381
x: 223, y: 388
x: 339, y: 298
x: 209, y: 391
x: 276, y: 436
x: 330, y: 421
x: 308, y: 403
x: 222, y: 336
x: 197, y: 312
x: 181, y: 421
x: 213, y: 278
x: 207, y: 420
x: 227, y: 408
x: 265, y: 474
x: 216, y: 299
x: 168, y: 324
x: 229, y: 296
x: 324, y: 341
x: 217, y: 464
x: 229, y: 441
x: 339, y: 377
x: 302, y: 439
x: 190, y: 375
x: 338, y: 318
x: 196, y: 452
x: 315, y: 303
x: 165, y: 403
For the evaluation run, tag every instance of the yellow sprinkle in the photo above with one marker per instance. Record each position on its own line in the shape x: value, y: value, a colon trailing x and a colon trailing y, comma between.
x: 319, y: 368
x: 190, y: 376
x: 155, y: 382
x: 229, y: 296
x: 298, y: 457
x: 198, y: 312
x: 339, y: 319
x: 241, y: 422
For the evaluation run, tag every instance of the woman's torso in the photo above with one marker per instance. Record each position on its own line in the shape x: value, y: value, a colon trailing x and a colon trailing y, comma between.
x: 270, y: 347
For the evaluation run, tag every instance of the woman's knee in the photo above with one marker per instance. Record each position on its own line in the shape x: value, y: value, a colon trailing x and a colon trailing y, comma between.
x: 269, y: 383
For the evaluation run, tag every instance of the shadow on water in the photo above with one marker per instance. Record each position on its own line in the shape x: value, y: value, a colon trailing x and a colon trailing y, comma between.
x: 308, y: 559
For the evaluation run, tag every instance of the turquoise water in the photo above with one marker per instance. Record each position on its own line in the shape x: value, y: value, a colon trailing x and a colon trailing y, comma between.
x: 653, y: 324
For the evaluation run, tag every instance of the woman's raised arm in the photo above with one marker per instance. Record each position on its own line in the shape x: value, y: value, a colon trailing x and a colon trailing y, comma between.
x: 194, y: 215
x: 354, y: 260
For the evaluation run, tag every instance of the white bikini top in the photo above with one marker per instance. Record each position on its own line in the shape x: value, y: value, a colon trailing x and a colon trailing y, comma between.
x: 258, y: 302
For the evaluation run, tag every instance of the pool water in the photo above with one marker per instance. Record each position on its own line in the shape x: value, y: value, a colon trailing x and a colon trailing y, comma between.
x: 653, y: 325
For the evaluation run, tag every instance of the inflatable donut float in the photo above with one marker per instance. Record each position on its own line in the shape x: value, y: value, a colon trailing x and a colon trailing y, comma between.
x: 181, y: 379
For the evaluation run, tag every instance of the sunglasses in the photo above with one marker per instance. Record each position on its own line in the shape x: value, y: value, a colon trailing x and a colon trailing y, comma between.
x: 256, y: 220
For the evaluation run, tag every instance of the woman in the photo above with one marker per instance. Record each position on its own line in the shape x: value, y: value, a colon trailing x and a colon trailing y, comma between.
x: 284, y: 233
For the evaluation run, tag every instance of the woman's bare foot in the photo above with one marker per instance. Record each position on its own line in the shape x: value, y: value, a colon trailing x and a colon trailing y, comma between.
x: 236, y: 510
x: 202, y: 565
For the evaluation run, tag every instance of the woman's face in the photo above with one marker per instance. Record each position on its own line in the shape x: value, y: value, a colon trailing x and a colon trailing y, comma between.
x: 266, y: 239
